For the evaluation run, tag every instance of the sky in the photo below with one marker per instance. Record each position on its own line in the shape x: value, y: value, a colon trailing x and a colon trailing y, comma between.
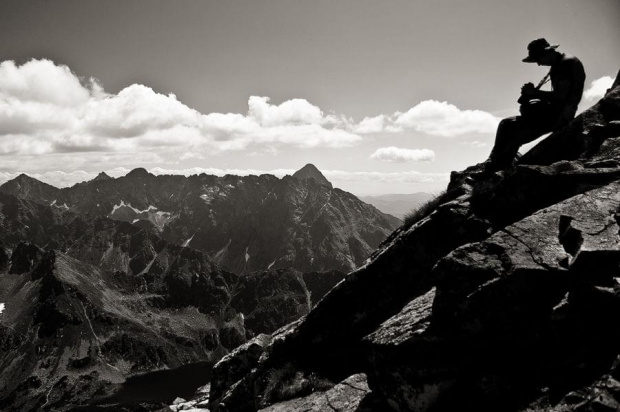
x: 382, y: 96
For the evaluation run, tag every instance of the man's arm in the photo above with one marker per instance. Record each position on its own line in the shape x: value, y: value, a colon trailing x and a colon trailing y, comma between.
x: 558, y: 95
x: 562, y: 87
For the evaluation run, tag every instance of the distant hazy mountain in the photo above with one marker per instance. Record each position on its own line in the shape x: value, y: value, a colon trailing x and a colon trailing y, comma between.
x: 245, y: 223
x: 398, y: 204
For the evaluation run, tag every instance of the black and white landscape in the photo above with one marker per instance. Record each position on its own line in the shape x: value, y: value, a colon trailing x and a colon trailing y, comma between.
x: 283, y: 206
x: 116, y: 289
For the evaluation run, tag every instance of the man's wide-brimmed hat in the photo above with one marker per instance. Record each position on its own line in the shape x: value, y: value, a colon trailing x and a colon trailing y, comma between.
x: 536, y: 48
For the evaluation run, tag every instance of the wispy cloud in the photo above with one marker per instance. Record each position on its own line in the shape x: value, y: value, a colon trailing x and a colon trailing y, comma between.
x: 394, y: 154
x: 445, y: 119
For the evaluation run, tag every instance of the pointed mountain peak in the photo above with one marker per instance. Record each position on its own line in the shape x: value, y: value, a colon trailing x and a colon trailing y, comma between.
x: 310, y: 171
x: 138, y: 172
x: 23, y: 177
x: 101, y: 176
x: 24, y: 180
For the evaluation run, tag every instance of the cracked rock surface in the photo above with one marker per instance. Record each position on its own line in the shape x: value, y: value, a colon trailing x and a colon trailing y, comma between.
x: 347, y: 396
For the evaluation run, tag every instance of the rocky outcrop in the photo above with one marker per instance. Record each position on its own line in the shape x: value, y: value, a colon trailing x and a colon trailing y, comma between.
x: 499, y: 299
x: 245, y: 223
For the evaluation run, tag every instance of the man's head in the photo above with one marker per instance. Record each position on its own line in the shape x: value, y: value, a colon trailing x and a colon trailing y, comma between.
x: 541, y: 52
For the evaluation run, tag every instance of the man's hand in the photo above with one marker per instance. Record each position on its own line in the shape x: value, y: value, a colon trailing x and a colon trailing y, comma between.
x: 528, y: 89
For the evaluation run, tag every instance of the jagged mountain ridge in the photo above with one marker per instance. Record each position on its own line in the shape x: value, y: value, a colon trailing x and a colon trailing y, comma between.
x: 245, y: 223
x: 501, y: 299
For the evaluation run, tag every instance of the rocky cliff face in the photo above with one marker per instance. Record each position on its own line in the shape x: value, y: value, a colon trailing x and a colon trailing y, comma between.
x: 245, y: 224
x: 502, y: 298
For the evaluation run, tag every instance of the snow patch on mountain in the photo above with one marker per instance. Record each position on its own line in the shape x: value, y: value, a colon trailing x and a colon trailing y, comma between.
x: 127, y: 212
x: 63, y: 206
x: 210, y: 194
x: 128, y: 205
x: 123, y: 204
x: 186, y: 243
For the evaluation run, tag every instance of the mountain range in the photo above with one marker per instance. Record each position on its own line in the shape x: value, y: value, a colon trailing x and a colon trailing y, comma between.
x: 244, y: 224
x: 89, y: 301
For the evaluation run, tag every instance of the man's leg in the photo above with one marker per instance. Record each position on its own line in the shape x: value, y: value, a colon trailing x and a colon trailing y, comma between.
x: 512, y: 133
x: 506, y: 143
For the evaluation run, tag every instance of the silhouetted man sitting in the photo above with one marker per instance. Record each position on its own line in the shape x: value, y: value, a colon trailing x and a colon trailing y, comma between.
x: 541, y: 111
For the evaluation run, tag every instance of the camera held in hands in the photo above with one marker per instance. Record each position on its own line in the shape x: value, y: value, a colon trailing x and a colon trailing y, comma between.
x: 530, y: 105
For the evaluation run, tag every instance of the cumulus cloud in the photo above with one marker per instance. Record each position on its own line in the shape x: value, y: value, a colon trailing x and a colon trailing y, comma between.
x: 444, y: 119
x: 598, y: 88
x: 291, y: 112
x: 45, y: 108
x: 371, y: 125
x: 433, y: 118
x: 394, y: 154
x: 42, y: 81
